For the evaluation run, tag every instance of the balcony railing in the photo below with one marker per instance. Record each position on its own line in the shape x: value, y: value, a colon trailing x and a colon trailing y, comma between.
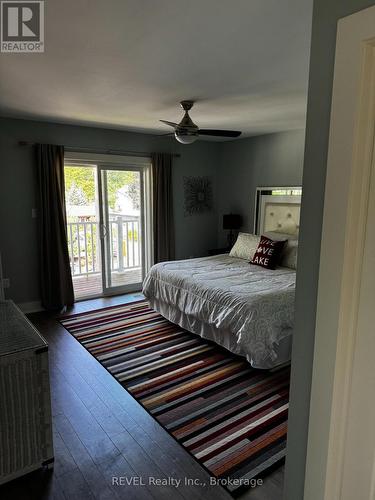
x: 124, y: 245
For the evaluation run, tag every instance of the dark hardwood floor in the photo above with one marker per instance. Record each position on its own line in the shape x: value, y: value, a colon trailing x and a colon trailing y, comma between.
x: 101, y: 433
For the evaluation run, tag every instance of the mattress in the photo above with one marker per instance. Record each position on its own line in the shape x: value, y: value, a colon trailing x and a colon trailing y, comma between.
x: 246, y: 308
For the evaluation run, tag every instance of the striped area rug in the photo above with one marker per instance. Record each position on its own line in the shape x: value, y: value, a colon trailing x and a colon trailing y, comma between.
x: 229, y: 416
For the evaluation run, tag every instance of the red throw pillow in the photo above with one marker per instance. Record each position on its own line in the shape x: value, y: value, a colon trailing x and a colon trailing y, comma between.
x: 268, y: 253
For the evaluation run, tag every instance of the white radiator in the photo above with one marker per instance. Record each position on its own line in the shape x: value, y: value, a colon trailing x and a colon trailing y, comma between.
x: 25, y: 407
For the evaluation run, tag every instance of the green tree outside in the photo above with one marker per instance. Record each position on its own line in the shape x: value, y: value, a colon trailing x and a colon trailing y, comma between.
x: 83, y: 179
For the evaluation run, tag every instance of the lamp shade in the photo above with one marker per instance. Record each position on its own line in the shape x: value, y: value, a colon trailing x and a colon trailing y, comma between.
x: 186, y: 137
x: 232, y: 221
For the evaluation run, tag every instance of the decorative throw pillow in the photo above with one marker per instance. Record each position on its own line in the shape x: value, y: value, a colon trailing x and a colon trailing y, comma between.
x: 268, y: 253
x: 245, y: 246
x: 290, y: 252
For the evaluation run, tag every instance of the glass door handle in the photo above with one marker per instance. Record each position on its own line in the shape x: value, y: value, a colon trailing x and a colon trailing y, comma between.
x: 103, y: 231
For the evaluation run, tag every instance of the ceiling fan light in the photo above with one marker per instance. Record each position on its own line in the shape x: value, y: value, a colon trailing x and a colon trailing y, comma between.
x: 186, y: 137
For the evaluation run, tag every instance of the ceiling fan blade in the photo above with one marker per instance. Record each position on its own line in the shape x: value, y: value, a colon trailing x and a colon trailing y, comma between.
x: 219, y: 133
x: 171, y: 124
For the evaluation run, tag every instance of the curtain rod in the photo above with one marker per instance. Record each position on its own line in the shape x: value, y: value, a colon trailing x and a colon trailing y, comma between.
x: 100, y: 150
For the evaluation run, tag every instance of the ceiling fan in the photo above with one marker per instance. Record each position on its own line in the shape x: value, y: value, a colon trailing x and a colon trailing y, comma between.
x: 187, y: 132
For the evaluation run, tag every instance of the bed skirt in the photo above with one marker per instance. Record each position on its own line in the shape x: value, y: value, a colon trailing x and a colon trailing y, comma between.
x: 220, y: 336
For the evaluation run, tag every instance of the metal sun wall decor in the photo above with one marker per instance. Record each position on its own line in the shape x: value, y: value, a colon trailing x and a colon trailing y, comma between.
x: 197, y: 195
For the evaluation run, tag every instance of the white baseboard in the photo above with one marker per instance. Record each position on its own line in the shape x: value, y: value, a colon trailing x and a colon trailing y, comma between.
x: 30, y: 307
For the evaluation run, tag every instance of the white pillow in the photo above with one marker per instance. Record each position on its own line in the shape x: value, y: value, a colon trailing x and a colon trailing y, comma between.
x: 290, y: 253
x: 245, y: 246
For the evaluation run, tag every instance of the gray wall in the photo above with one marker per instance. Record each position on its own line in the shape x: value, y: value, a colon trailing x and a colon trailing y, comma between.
x: 325, y: 17
x: 266, y: 160
x: 236, y: 168
x: 18, y: 231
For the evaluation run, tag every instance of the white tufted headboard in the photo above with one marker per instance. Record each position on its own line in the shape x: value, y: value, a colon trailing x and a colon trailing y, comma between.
x: 279, y: 213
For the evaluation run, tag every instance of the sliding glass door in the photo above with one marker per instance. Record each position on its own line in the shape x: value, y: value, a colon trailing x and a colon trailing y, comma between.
x: 108, y: 227
x: 122, y: 230
x: 83, y: 223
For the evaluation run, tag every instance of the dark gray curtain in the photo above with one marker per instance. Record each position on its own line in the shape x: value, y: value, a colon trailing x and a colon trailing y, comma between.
x: 162, y: 207
x: 55, y: 276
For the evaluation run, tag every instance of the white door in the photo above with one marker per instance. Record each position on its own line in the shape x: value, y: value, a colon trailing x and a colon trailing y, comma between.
x: 359, y: 448
x: 122, y: 212
x: 341, y: 441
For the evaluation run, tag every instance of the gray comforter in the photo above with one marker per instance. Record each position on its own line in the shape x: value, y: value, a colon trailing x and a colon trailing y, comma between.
x: 254, y: 304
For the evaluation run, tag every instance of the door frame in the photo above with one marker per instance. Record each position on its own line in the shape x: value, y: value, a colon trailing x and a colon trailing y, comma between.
x: 349, y: 169
x: 126, y: 163
x: 101, y: 168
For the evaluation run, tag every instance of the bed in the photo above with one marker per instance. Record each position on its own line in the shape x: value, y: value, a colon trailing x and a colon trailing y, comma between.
x: 245, y: 308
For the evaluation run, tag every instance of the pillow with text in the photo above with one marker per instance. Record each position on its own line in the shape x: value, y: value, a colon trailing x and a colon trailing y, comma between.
x: 268, y: 253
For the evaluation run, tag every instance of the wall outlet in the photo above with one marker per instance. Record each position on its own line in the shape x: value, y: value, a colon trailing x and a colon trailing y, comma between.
x: 6, y: 283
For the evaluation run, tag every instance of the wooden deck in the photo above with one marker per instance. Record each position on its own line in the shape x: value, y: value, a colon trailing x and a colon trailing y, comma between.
x: 90, y: 285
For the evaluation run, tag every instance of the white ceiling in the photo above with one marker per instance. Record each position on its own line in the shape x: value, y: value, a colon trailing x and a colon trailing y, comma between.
x: 128, y: 63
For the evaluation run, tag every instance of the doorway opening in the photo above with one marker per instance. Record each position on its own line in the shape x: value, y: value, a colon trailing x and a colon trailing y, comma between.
x: 107, y: 226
